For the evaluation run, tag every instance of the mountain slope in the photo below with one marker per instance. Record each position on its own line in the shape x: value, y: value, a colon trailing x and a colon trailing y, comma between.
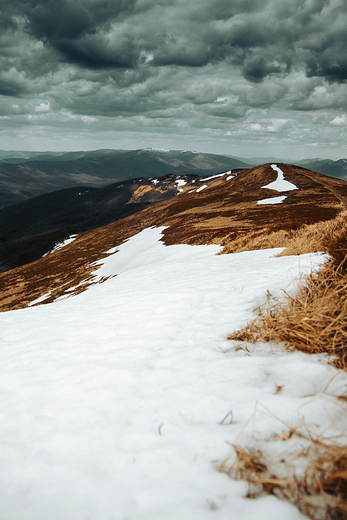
x: 118, y: 398
x: 336, y: 169
x: 30, y: 229
x: 26, y: 179
x: 216, y: 212
x: 116, y: 404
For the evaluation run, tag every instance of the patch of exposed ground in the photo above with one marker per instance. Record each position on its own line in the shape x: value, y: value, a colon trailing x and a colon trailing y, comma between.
x: 223, y: 213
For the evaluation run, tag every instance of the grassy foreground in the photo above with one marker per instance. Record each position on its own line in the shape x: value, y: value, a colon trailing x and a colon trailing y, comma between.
x: 314, y: 321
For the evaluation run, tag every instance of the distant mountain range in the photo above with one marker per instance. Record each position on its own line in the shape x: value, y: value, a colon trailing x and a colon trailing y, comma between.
x: 328, y: 167
x: 25, y: 175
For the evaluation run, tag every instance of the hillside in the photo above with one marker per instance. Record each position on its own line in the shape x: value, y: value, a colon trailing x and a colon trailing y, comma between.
x: 218, y: 211
x: 22, y: 178
x: 122, y: 396
x: 31, y: 228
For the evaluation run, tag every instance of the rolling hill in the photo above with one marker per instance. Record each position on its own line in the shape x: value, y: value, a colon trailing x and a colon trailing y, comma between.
x: 207, y: 211
x: 22, y: 178
x: 120, y: 387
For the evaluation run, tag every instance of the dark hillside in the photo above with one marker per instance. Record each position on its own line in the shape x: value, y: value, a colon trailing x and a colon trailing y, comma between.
x: 23, y: 179
x: 32, y: 228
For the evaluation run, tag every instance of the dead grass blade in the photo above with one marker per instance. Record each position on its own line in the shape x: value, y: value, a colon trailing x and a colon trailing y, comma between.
x: 320, y: 492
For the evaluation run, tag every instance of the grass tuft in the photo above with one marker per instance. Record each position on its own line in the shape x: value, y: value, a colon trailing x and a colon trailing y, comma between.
x: 296, y: 241
x: 314, y: 321
x: 320, y: 491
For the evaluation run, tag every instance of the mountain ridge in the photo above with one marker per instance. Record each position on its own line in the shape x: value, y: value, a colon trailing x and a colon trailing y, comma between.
x: 26, y: 179
x: 24, y: 175
x: 214, y: 213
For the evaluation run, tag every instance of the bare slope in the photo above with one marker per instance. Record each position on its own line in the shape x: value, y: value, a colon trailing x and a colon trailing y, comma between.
x: 31, y: 228
x: 217, y: 211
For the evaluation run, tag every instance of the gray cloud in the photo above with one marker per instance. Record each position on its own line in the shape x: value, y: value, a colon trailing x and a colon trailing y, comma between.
x: 176, y: 65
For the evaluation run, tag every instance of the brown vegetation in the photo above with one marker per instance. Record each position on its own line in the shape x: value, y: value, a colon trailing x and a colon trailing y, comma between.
x: 320, y: 491
x: 296, y: 241
x: 225, y: 212
x: 315, y: 321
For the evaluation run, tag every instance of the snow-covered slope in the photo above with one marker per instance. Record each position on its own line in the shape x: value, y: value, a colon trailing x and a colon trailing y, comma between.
x: 112, y: 401
x: 212, y: 210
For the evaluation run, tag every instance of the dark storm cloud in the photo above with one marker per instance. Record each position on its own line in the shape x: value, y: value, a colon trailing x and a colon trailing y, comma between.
x: 262, y: 37
x: 76, y: 29
x: 119, y: 57
x: 273, y: 38
x: 258, y: 68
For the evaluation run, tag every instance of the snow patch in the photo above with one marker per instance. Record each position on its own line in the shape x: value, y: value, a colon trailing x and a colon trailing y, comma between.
x: 280, y: 184
x: 158, y: 149
x: 201, y: 188
x: 273, y: 200
x: 40, y: 299
x: 62, y: 244
x: 142, y: 249
x: 215, y: 176
x: 180, y: 182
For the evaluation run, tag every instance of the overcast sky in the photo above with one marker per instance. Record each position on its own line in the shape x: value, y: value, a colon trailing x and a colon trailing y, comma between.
x: 239, y: 77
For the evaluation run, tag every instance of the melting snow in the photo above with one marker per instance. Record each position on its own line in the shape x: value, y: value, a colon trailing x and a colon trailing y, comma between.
x: 280, y: 184
x: 62, y: 244
x: 180, y: 182
x: 230, y: 177
x: 201, y: 188
x: 112, y: 401
x: 40, y: 299
x: 273, y: 200
x: 214, y: 176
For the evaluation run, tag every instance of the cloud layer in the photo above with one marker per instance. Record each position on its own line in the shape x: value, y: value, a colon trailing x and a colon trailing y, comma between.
x: 239, y: 71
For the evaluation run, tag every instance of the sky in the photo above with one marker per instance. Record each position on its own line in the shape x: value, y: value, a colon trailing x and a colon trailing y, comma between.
x: 239, y: 77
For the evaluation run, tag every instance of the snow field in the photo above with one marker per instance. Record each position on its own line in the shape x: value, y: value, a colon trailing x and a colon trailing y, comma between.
x: 280, y: 184
x: 111, y: 401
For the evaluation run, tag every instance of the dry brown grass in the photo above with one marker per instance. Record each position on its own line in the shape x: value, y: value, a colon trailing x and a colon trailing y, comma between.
x: 319, y: 491
x: 315, y: 321
x: 306, y: 239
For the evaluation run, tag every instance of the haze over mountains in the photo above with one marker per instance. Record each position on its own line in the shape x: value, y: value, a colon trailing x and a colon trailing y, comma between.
x: 24, y: 175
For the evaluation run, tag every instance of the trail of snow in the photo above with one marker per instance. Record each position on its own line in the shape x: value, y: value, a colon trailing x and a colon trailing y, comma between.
x: 201, y: 188
x: 111, y: 401
x: 215, y: 176
x: 62, y: 244
x: 280, y: 184
x: 272, y: 200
